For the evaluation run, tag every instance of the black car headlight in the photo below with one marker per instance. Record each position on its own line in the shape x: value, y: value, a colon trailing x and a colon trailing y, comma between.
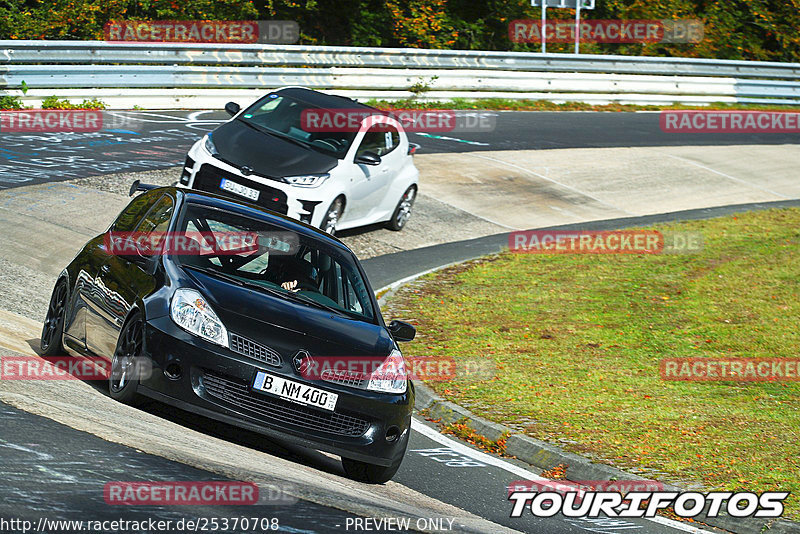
x: 391, y: 375
x: 307, y: 180
x: 191, y: 312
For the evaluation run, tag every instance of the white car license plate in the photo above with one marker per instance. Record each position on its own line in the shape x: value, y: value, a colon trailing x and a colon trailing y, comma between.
x: 239, y: 189
x: 295, y: 391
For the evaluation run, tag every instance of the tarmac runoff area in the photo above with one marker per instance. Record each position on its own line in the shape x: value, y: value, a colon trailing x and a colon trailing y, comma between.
x: 537, y: 188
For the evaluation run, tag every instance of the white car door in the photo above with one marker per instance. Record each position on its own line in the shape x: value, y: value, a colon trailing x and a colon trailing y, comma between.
x: 371, y: 182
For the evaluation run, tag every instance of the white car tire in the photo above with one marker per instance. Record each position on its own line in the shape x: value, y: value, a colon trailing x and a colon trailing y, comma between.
x: 402, y: 212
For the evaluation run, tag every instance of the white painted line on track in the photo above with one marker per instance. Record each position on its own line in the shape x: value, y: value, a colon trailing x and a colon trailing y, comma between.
x: 459, y: 447
x: 489, y: 459
x: 543, y: 177
x: 137, y: 116
x: 677, y: 525
x: 729, y: 177
x: 193, y: 116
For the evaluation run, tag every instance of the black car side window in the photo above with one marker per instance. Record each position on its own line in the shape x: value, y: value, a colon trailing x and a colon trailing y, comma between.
x: 157, y: 219
x: 133, y: 213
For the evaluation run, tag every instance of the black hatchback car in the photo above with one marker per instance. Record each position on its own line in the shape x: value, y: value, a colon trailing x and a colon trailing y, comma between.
x: 237, y: 313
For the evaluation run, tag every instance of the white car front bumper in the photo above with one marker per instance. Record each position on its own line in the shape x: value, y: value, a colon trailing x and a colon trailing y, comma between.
x: 205, y: 172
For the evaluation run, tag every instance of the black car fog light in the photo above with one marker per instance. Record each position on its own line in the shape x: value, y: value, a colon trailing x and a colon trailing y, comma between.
x: 173, y: 371
x: 392, y: 433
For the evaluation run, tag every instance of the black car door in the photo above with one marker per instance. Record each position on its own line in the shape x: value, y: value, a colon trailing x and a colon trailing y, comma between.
x: 121, y: 276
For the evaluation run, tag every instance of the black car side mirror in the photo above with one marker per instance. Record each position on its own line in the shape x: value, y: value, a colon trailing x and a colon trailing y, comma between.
x: 368, y: 158
x: 402, y: 331
x: 232, y: 108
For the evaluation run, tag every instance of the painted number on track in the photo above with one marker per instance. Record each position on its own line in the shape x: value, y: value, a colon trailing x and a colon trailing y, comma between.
x: 448, y: 457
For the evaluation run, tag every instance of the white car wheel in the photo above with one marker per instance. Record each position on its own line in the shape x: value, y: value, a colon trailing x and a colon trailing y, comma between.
x: 332, y: 216
x: 403, y: 210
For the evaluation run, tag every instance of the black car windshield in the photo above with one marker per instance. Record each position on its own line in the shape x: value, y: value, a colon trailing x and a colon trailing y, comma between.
x: 282, y: 115
x: 265, y: 257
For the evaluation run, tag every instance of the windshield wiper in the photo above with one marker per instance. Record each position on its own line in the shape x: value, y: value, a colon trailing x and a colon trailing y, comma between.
x: 286, y: 295
x: 220, y: 274
x: 309, y: 300
x: 236, y: 280
x: 270, y: 131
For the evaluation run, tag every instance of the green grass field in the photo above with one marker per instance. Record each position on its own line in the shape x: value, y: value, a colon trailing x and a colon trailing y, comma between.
x: 577, y: 340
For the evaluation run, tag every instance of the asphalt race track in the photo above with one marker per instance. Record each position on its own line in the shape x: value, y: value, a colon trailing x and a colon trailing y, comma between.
x: 133, y: 141
x: 62, y: 470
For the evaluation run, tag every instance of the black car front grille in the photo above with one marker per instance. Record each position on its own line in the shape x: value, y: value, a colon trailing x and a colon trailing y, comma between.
x: 251, y: 349
x: 237, y: 393
x: 346, y: 378
x: 208, y: 178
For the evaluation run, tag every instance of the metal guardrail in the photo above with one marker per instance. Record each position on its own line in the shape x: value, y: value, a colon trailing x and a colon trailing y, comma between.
x: 379, y: 71
x: 338, y: 56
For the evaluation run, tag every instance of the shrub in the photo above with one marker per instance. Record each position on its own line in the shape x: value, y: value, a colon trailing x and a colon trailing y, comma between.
x: 53, y: 102
x: 10, y: 102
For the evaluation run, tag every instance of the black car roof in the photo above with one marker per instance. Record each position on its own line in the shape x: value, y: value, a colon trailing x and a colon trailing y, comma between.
x: 323, y: 100
x: 214, y: 200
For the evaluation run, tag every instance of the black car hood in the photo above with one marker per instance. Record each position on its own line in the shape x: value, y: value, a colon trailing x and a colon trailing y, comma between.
x: 241, y: 145
x: 288, y: 326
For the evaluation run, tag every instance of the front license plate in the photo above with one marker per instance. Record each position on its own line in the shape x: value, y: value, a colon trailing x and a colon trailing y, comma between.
x: 239, y: 189
x: 295, y: 391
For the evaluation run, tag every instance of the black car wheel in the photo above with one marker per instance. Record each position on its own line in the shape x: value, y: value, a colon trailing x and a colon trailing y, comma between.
x: 332, y: 216
x: 123, y: 380
x: 403, y: 210
x: 53, y: 328
x: 371, y: 473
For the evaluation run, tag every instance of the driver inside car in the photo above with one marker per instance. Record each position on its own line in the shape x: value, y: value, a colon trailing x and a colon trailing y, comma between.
x: 299, y: 274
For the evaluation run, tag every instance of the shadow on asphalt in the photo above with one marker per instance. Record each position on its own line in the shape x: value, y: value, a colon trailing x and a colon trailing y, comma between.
x: 246, y: 438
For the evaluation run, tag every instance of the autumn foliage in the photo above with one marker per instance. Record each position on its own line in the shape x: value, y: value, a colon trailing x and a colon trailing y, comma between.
x: 746, y: 29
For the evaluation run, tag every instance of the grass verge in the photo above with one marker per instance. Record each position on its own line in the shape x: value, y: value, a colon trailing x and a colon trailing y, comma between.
x: 577, y: 340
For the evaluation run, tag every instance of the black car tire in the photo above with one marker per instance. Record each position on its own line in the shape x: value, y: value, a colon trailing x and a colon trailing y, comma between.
x: 403, y: 210
x: 123, y: 380
x: 371, y: 473
x: 53, y: 328
x: 332, y: 216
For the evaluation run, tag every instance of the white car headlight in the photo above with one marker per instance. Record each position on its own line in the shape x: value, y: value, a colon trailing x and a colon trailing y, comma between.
x: 307, y: 180
x: 209, y: 145
x: 191, y: 312
x: 391, y: 375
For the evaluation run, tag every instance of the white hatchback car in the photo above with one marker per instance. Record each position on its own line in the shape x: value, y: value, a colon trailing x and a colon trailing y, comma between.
x: 333, y: 178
